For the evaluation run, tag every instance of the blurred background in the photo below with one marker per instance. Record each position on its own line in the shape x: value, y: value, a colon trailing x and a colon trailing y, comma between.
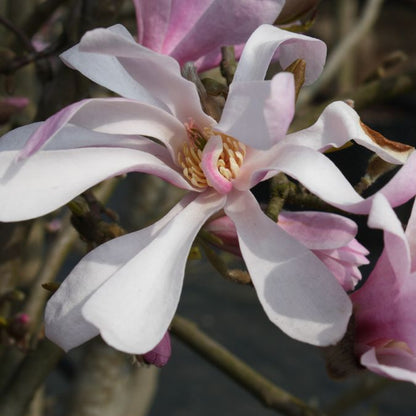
x: 94, y: 379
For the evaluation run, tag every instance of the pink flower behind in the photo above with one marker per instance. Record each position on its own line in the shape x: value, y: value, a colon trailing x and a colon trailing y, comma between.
x: 329, y: 236
x: 195, y: 30
x: 385, y: 307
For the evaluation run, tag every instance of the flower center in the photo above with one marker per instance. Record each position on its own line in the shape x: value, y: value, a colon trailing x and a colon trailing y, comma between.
x: 190, y: 156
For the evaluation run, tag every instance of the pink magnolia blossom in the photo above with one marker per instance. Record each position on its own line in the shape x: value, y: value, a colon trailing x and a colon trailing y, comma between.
x: 195, y: 30
x: 385, y: 307
x: 329, y: 236
x: 128, y: 289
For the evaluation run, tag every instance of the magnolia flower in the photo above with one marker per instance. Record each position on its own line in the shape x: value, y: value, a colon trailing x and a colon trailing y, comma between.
x: 195, y: 31
x: 128, y: 289
x: 385, y: 307
x: 329, y: 236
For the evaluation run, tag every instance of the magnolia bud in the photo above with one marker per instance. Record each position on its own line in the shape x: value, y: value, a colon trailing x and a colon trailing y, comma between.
x: 159, y: 355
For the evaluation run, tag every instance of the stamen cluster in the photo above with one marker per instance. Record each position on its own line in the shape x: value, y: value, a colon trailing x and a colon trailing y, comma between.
x: 189, y: 158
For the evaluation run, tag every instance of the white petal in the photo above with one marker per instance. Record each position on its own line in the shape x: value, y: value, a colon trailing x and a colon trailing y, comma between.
x: 383, y: 217
x: 113, y: 116
x: 107, y: 71
x: 134, y: 308
x: 243, y: 116
x: 263, y: 44
x: 258, y: 113
x: 311, y: 168
x: 296, y: 290
x: 338, y: 124
x: 59, y: 172
x: 158, y: 74
x: 64, y: 323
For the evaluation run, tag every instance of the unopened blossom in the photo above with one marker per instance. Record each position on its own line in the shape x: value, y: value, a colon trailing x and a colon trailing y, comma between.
x: 385, y: 307
x: 127, y: 289
x: 160, y: 354
x: 329, y: 236
x: 196, y: 30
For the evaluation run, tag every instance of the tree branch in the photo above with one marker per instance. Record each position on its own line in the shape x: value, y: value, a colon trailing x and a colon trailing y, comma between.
x: 337, y: 57
x: 264, y: 390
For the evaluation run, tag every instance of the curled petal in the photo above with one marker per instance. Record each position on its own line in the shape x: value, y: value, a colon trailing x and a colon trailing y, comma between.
x: 391, y: 362
x: 209, y: 165
x: 288, y: 46
x: 288, y: 278
x: 340, y: 123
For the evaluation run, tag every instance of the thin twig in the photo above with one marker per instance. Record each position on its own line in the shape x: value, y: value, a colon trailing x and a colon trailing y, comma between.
x: 56, y: 256
x: 40, y: 15
x: 264, y: 390
x: 24, y: 40
x: 337, y: 57
x: 54, y: 259
x: 377, y: 91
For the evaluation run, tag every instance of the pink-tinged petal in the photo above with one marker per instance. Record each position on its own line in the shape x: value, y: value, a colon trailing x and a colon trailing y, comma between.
x: 338, y: 124
x: 113, y: 116
x: 76, y: 160
x: 224, y: 229
x: 296, y: 290
x: 279, y: 108
x: 195, y: 31
x: 258, y: 113
x: 152, y: 22
x: 199, y: 27
x: 64, y: 322
x: 209, y: 165
x: 213, y: 59
x: 411, y: 237
x: 391, y: 362
x: 384, y: 305
x: 318, y: 230
x: 134, y: 308
x: 263, y: 44
x: 347, y: 275
x: 383, y: 217
x: 159, y: 355
x: 158, y: 74
x: 402, y: 186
